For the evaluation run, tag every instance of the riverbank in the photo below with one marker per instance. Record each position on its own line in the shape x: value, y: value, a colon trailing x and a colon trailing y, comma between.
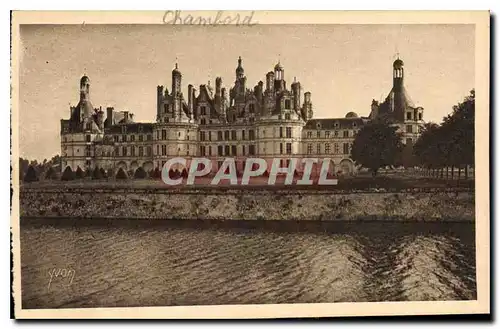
x: 234, y: 204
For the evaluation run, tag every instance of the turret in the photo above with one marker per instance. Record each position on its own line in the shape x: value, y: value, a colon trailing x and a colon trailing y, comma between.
x: 85, y: 106
x: 84, y: 88
x: 240, y: 72
x: 397, y: 74
x: 176, y: 81
x: 176, y: 90
x: 279, y: 77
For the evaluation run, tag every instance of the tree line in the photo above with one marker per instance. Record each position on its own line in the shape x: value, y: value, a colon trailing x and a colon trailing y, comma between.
x: 449, y: 145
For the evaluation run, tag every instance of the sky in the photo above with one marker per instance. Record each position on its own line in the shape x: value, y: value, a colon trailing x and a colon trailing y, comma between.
x: 343, y: 66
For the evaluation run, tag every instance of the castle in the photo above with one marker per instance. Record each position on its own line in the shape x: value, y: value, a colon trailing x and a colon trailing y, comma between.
x: 268, y: 121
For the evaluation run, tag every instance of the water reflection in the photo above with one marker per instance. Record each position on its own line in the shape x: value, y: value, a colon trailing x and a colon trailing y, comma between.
x: 143, y: 264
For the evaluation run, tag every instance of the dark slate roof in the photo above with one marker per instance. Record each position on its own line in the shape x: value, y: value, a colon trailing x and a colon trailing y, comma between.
x: 131, y: 128
x: 396, y: 103
x: 343, y: 123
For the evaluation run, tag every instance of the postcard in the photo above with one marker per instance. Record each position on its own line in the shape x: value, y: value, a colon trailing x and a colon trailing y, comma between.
x: 223, y: 164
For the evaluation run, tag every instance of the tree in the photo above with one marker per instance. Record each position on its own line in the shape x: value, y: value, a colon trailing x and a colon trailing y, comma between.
x: 460, y: 127
x: 79, y: 173
x: 23, y: 167
x: 376, y: 145
x: 68, y: 174
x: 121, y: 174
x: 140, y: 173
x: 426, y: 148
x: 50, y: 173
x: 97, y: 174
x: 31, y: 175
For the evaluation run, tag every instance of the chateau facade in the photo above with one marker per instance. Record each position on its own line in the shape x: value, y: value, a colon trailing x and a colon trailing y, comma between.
x: 266, y: 121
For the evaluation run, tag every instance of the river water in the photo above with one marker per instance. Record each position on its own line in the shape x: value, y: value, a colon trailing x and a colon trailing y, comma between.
x: 120, y: 263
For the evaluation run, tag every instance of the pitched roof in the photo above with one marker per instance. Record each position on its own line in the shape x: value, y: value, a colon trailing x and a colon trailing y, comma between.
x: 334, y: 123
x: 131, y: 128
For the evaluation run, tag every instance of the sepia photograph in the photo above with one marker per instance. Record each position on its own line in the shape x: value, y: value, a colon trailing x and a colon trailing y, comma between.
x: 250, y: 164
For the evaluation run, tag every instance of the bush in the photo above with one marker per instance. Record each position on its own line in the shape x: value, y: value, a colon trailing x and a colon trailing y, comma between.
x: 79, y: 173
x: 121, y: 174
x: 97, y: 173
x: 156, y: 173
x: 31, y: 175
x: 140, y: 173
x: 50, y: 174
x: 68, y: 174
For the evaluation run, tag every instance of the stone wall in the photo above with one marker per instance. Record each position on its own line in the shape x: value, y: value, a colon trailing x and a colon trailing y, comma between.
x: 244, y: 205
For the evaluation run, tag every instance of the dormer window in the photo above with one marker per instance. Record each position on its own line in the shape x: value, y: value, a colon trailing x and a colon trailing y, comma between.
x: 318, y: 125
x: 354, y: 124
x: 251, y: 108
x: 336, y: 125
x: 287, y: 104
x: 124, y: 129
x: 203, y: 121
x: 287, y: 116
x: 203, y: 110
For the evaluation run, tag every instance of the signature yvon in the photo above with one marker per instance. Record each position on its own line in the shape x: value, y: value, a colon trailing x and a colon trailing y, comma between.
x: 177, y: 17
x: 63, y: 275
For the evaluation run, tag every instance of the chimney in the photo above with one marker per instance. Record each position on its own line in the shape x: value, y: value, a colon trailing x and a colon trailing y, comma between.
x: 159, y: 100
x: 109, y: 117
x: 270, y: 81
x: 307, y: 97
x: 223, y: 102
x: 190, y: 98
x: 296, y: 94
x: 125, y: 116
x: 218, y: 85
